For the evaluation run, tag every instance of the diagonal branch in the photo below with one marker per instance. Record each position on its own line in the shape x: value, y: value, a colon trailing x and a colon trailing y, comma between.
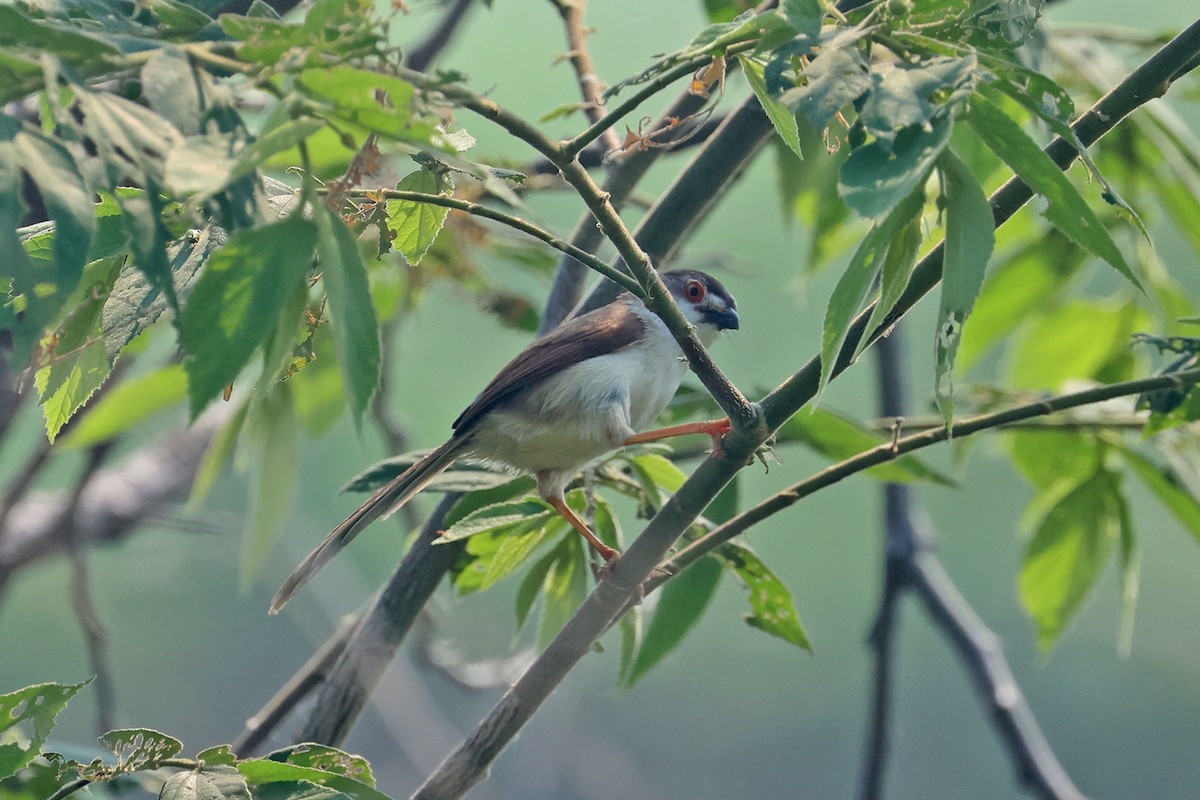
x: 890, y: 451
x: 1150, y: 80
x: 466, y: 765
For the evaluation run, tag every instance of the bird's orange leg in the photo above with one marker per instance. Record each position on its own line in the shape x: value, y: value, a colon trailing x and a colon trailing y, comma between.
x: 560, y: 505
x: 716, y: 428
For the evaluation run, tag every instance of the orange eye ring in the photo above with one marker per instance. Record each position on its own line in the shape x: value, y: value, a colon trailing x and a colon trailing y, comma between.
x: 695, y: 291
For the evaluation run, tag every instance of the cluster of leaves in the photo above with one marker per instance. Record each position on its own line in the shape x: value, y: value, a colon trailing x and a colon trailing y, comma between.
x: 151, y: 758
x: 257, y: 277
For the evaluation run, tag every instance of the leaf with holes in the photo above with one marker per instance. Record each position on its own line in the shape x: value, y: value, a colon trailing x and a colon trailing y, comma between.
x: 29, y: 713
x: 772, y: 609
x: 140, y: 748
x: 970, y: 236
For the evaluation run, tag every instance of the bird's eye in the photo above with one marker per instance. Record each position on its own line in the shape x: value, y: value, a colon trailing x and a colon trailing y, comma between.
x: 695, y: 291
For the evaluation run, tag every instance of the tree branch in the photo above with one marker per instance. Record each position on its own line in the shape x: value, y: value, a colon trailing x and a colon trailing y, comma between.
x: 372, y: 645
x: 113, y: 503
x: 291, y: 694
x: 979, y: 648
x: 487, y: 212
x: 590, y: 85
x: 890, y: 451
x: 424, y: 54
x: 465, y: 766
x: 1150, y: 80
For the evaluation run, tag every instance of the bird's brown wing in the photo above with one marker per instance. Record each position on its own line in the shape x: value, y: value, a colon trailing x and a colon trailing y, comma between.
x: 605, y: 330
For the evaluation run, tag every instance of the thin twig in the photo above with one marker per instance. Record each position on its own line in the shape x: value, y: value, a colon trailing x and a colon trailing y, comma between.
x: 590, y: 85
x: 899, y: 541
x: 467, y: 764
x: 979, y: 648
x: 291, y: 694
x: 373, y: 643
x: 94, y: 636
x: 517, y: 223
x: 890, y: 451
x: 425, y: 53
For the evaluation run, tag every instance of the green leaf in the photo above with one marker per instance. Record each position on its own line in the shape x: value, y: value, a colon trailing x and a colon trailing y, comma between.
x: 516, y: 545
x: 218, y: 454
x: 327, y: 759
x: 135, y: 303
x: 803, y: 15
x: 78, y: 365
x: 140, y: 748
x: 1182, y: 504
x: 970, y: 236
x: 852, y: 287
x: 479, y: 498
x: 659, y: 477
x: 1068, y: 552
x: 1079, y: 340
x: 245, y: 283
x: 879, y: 175
x: 1066, y: 209
x: 564, y: 589
x: 171, y: 85
x: 31, y: 711
x: 259, y: 771
x: 461, y: 477
x: 836, y: 77
x: 1015, y: 290
x: 276, y: 472
x: 895, y: 273
x: 683, y: 600
x: 499, y: 515
x: 211, y: 783
x: 17, y: 29
x: 916, y: 94
x: 771, y: 607
x: 67, y: 200
x: 1047, y: 458
x: 531, y: 584
x: 782, y: 118
x: 839, y: 437
x: 1131, y: 559
x: 417, y: 225
x: 347, y: 94
x: 220, y: 755
x: 355, y: 330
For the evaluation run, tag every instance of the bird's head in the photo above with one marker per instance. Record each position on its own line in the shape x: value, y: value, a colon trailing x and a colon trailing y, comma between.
x: 704, y: 301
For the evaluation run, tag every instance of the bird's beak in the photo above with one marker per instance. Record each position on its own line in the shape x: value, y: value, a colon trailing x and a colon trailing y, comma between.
x: 723, y: 318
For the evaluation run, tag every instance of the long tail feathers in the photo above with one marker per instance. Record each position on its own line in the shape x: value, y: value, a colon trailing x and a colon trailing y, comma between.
x: 383, y: 503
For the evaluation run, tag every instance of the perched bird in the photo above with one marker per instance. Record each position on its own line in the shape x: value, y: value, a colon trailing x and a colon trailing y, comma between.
x: 578, y: 392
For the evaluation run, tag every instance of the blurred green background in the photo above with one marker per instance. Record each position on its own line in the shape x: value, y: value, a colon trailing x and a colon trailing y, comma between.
x: 732, y: 713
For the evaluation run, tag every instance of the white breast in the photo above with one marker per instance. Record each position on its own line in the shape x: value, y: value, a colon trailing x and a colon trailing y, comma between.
x: 587, y: 409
